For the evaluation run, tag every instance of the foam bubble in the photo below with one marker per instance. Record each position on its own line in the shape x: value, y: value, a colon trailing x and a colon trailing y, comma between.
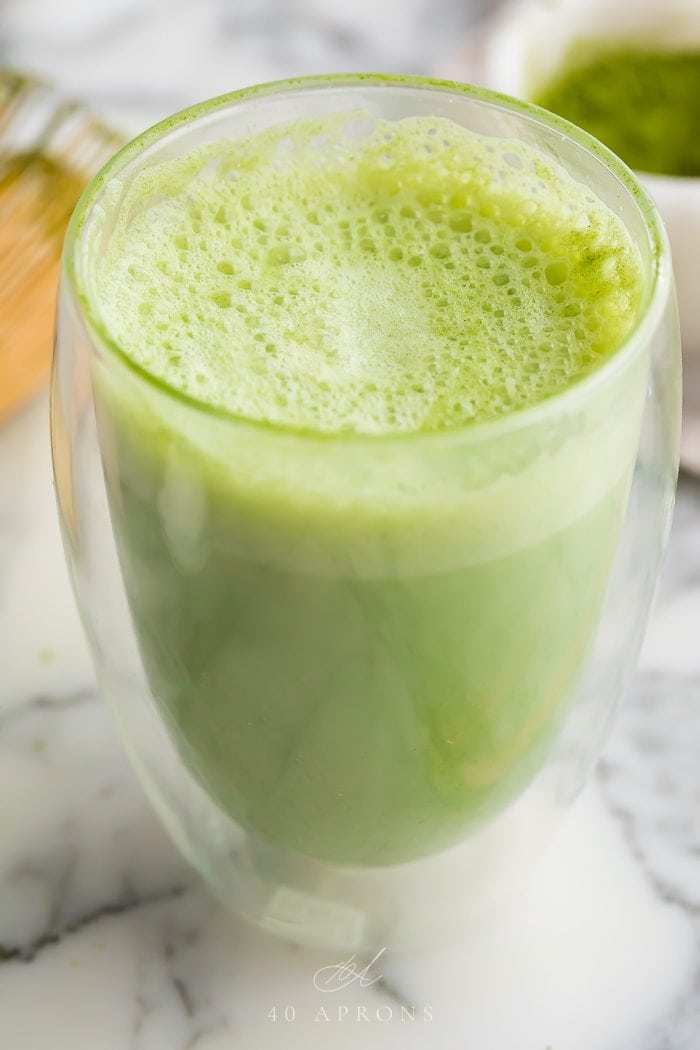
x: 319, y: 278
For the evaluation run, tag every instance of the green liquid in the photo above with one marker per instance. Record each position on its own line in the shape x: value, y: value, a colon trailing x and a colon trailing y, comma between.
x: 643, y: 104
x: 362, y: 649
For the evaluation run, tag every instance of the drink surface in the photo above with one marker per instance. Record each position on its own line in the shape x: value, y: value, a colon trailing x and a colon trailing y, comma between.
x: 643, y: 104
x: 417, y: 277
x: 362, y: 649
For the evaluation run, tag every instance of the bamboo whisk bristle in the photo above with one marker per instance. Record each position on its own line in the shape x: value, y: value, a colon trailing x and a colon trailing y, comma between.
x: 49, y: 149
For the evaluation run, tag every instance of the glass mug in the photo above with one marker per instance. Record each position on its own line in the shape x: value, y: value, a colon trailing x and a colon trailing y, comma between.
x: 361, y: 708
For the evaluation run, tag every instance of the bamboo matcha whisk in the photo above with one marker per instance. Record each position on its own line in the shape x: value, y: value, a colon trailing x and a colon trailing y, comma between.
x: 49, y: 149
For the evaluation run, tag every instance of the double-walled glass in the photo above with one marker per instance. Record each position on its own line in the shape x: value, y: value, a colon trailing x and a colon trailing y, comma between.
x: 361, y: 677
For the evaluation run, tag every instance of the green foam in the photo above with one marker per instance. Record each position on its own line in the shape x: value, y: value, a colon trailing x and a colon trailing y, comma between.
x: 369, y: 276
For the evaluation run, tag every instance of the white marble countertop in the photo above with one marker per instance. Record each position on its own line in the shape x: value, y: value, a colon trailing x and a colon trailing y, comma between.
x: 107, y: 940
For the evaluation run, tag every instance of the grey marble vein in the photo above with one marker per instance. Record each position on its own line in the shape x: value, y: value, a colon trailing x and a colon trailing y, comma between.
x: 57, y: 931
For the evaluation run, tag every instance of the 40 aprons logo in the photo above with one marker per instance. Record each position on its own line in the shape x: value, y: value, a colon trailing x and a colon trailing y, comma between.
x: 338, y: 977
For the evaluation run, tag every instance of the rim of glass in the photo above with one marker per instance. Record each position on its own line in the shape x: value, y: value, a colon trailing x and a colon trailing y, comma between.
x: 650, y: 310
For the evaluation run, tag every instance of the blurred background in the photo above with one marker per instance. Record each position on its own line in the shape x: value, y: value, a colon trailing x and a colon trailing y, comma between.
x: 135, y: 61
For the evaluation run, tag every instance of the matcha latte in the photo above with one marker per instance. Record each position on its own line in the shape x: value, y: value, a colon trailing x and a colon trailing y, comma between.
x: 363, y: 594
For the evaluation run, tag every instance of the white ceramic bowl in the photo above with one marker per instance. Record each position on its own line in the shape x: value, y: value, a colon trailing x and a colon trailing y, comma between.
x: 529, y: 41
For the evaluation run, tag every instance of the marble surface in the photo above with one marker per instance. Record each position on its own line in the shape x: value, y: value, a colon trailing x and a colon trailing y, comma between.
x: 139, y: 60
x: 107, y: 940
